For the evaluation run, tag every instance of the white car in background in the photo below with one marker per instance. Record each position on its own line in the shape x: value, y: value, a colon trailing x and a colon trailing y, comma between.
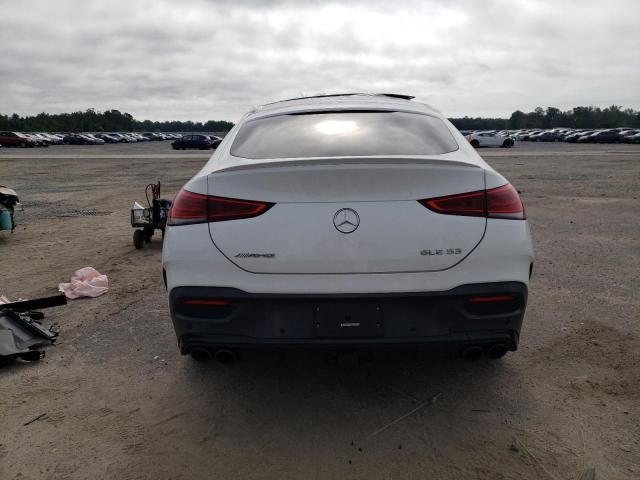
x: 490, y: 139
x: 346, y: 221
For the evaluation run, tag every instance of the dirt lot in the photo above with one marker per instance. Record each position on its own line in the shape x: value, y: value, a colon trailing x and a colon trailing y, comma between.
x: 121, y: 403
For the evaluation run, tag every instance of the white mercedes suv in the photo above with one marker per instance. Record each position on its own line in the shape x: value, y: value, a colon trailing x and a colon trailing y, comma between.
x: 343, y: 221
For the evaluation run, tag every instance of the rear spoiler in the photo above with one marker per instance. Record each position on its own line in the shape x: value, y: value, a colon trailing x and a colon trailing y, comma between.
x: 333, y: 161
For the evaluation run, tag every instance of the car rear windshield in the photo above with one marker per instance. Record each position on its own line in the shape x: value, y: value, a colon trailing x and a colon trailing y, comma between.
x: 344, y: 133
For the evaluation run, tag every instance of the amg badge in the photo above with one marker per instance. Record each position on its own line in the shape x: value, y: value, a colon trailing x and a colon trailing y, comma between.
x: 256, y: 255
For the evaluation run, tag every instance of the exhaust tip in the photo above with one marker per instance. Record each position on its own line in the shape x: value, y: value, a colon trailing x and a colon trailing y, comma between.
x: 472, y: 353
x: 225, y: 356
x: 496, y: 351
x: 200, y: 354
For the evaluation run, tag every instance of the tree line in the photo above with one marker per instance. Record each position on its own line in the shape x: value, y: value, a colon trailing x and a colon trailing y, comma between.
x: 107, y: 121
x: 116, y: 121
x: 577, y: 117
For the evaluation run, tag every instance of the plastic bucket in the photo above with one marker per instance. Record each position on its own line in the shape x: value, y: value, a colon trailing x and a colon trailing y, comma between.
x: 5, y: 220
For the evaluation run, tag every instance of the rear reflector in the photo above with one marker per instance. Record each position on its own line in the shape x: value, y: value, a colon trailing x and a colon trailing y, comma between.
x: 209, y: 308
x: 189, y: 208
x: 496, y: 298
x: 195, y: 301
x: 501, y: 202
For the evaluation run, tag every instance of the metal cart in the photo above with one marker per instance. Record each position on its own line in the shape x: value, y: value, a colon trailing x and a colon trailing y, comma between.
x: 146, y: 220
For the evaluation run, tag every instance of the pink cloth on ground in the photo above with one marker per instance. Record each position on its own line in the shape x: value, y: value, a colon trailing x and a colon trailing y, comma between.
x: 86, y: 282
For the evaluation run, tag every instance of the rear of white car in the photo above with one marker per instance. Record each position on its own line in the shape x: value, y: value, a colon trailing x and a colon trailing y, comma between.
x: 347, y: 221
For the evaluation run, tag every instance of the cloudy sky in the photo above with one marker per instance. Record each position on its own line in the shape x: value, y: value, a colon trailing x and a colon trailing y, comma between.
x: 199, y: 60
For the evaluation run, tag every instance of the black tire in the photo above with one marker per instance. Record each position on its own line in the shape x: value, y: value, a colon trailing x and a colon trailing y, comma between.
x: 138, y: 238
x: 475, y: 143
x: 23, y: 145
x: 508, y: 143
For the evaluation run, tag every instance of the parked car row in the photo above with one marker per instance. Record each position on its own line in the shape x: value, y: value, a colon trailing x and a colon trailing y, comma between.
x: 583, y: 135
x: 507, y: 138
x: 41, y: 139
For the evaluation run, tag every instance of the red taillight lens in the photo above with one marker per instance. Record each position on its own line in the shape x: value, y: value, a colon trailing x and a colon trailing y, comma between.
x: 232, y: 209
x: 504, y: 202
x: 472, y: 204
x: 501, y: 202
x: 188, y: 208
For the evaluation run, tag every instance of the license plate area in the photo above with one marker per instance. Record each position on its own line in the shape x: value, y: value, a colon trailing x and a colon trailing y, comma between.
x: 347, y: 319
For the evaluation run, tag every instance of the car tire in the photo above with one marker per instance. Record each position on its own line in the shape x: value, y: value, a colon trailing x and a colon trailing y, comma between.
x: 508, y: 143
x: 475, y: 143
x: 23, y: 145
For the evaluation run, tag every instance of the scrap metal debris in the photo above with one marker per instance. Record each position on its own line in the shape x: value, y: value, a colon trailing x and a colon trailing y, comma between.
x: 39, y: 417
x: 21, y: 333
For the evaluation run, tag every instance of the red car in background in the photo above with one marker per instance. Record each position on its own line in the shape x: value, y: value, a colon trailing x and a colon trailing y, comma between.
x: 15, y: 139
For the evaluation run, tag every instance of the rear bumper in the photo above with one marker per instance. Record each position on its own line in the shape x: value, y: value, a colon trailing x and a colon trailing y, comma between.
x: 477, y: 314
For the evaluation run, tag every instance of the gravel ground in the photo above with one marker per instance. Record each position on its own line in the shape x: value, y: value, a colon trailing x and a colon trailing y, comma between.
x: 121, y: 403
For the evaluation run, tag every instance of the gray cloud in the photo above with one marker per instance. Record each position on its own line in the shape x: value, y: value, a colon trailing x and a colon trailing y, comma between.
x: 213, y: 60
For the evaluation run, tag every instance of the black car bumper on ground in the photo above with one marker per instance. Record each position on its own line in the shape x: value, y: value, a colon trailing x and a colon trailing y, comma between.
x: 478, y: 315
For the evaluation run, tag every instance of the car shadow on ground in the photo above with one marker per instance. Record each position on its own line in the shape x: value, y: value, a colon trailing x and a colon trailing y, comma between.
x: 379, y: 378
x: 393, y: 404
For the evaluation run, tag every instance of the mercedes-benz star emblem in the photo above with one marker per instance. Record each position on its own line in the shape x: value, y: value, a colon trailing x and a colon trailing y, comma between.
x: 346, y: 220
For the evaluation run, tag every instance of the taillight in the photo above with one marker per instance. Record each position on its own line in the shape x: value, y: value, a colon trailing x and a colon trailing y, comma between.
x: 472, y: 204
x: 501, y: 202
x: 189, y: 208
x: 504, y: 202
x: 221, y: 208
